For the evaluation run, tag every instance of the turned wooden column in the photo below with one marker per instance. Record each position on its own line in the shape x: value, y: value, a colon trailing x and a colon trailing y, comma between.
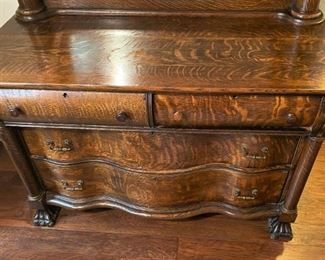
x: 307, y: 11
x: 300, y: 177
x: 30, y: 10
x: 18, y: 156
x: 45, y: 215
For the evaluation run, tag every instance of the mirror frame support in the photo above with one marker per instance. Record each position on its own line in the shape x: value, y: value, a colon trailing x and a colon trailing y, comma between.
x: 301, y: 12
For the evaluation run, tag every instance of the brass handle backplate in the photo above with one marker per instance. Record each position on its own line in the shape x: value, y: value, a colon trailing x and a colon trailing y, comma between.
x: 262, y: 156
x: 65, y: 148
x: 79, y: 186
x: 252, y: 196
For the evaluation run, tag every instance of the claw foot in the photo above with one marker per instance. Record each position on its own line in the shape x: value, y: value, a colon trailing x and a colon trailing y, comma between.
x: 279, y: 230
x: 46, y: 216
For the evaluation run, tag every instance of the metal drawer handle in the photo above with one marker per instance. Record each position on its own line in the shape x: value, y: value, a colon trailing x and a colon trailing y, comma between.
x: 264, y: 150
x: 253, y: 196
x: 79, y: 186
x: 66, y: 148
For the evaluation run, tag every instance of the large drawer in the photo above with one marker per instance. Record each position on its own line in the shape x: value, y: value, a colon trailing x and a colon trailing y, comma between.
x: 162, y: 151
x: 116, y: 109
x: 156, y: 191
x: 240, y: 111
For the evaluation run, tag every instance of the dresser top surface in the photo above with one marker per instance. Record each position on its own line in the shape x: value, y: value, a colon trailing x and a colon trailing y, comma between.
x: 223, y: 54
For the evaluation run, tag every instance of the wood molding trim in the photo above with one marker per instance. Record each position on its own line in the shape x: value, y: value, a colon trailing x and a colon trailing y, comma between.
x: 302, y: 12
x: 179, y: 213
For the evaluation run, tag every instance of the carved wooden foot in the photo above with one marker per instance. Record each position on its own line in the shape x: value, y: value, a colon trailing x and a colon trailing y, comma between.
x: 279, y: 230
x: 46, y: 216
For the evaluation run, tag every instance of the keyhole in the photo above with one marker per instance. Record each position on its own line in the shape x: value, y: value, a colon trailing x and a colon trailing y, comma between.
x: 65, y: 95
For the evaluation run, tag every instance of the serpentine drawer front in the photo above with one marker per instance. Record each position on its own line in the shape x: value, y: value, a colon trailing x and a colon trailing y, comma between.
x: 156, y: 192
x: 241, y: 111
x: 174, y: 170
x: 116, y: 109
x: 241, y: 171
x: 164, y: 117
x: 161, y: 151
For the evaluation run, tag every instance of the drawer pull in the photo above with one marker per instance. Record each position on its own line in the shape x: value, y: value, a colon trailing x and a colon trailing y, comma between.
x: 178, y: 116
x: 292, y: 118
x: 15, y: 111
x: 253, y: 195
x: 122, y: 117
x: 79, y: 186
x: 264, y: 150
x: 66, y: 148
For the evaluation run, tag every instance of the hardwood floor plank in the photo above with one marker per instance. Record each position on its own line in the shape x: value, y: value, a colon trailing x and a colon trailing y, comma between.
x: 37, y: 243
x: 216, y: 249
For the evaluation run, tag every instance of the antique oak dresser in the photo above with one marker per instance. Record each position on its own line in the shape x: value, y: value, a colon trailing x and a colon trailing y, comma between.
x: 164, y: 108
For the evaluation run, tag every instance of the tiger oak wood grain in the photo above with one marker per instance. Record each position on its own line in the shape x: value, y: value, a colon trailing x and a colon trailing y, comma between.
x: 199, y: 111
x: 73, y: 107
x: 237, y: 53
x: 169, y: 193
x: 163, y: 152
x: 298, y: 12
x: 164, y: 55
x: 204, y: 234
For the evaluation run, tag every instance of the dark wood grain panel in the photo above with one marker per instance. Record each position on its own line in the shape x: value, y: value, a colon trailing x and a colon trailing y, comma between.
x: 170, y: 192
x: 243, y: 111
x: 302, y: 12
x: 159, y: 54
x: 170, y: 5
x: 73, y: 107
x: 162, y: 152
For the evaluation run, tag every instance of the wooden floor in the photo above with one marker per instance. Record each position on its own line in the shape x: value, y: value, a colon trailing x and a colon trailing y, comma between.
x: 112, y: 234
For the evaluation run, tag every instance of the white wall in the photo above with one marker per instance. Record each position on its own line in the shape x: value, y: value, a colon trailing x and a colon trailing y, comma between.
x: 7, y: 10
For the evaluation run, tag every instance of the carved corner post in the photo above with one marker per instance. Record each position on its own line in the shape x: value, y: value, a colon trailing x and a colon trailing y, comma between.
x: 300, y: 177
x: 31, y: 10
x: 306, y: 12
x: 279, y: 227
x: 45, y: 214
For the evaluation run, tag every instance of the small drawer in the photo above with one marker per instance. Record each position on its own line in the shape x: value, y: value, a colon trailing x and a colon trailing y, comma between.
x: 238, y: 111
x: 41, y: 106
